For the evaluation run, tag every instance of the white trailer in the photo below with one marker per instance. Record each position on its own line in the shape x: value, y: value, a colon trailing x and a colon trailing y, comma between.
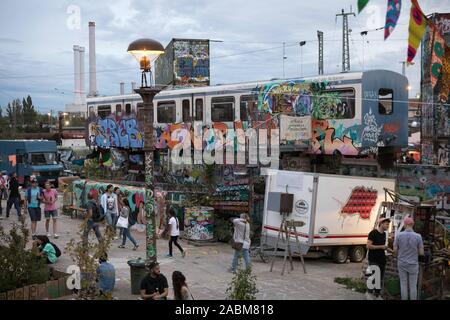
x: 338, y: 211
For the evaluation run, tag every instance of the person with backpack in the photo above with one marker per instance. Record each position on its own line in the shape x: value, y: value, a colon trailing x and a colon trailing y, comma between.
x: 34, y: 198
x: 47, y: 250
x: 126, y: 214
x: 94, y: 216
x: 174, y: 232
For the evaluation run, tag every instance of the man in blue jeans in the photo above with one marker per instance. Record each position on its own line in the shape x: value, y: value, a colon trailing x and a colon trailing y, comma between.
x: 408, y: 245
x: 92, y: 216
x: 14, y: 195
x: 241, y: 235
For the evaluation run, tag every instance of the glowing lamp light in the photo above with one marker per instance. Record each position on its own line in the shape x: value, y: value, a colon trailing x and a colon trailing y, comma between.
x: 67, y: 123
x: 145, y: 51
x: 409, y: 87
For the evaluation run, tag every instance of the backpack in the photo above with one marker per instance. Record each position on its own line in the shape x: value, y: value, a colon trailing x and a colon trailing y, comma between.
x: 98, y: 214
x: 57, y: 251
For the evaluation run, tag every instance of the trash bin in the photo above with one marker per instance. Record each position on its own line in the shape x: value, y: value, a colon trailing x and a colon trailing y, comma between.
x: 137, y: 272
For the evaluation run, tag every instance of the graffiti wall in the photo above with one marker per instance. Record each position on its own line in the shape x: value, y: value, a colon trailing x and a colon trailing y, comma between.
x: 191, y: 62
x: 435, y: 113
x: 199, y: 223
x: 115, y: 132
x: 329, y: 137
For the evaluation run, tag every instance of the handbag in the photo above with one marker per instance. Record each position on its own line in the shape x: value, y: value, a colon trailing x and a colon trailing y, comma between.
x: 238, y: 245
x: 122, y: 222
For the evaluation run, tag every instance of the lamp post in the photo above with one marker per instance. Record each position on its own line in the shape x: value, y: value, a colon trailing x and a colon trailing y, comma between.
x: 145, y: 51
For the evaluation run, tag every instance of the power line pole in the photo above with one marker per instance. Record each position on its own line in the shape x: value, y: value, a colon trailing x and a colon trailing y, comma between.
x: 320, y: 36
x: 345, y: 44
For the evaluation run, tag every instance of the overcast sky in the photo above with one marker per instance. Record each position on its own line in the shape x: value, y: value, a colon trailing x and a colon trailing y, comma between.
x: 36, y: 40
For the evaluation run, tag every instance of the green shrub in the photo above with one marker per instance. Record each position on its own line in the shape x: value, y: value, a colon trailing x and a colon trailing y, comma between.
x: 19, y: 266
x: 242, y: 286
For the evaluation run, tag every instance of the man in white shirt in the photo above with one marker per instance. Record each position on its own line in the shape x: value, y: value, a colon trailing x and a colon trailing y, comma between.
x: 174, y: 232
x: 110, y: 206
x: 241, y: 235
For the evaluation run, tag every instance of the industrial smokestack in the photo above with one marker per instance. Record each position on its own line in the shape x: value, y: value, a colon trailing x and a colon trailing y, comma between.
x: 76, y: 64
x: 122, y: 88
x: 133, y: 87
x: 82, y: 73
x: 92, y: 65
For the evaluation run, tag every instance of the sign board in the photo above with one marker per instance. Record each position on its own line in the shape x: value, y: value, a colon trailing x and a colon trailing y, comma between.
x: 284, y: 178
x: 295, y: 128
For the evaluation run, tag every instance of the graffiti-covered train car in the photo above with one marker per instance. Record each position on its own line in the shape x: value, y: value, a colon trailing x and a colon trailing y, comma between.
x: 352, y: 114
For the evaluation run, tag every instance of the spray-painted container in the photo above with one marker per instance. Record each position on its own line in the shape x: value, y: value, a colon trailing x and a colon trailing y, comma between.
x: 199, y: 223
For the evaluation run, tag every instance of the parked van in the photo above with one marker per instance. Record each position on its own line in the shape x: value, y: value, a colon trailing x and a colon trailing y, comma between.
x: 30, y: 157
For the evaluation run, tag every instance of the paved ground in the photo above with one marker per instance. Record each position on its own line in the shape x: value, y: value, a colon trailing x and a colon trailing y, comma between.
x: 206, y: 269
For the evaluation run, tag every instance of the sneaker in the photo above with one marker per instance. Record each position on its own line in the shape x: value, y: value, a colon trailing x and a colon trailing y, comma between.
x: 169, y: 256
x: 135, y: 247
x: 231, y: 270
x: 122, y: 246
x: 56, y: 236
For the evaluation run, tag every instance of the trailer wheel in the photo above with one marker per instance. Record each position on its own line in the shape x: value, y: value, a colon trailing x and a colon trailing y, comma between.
x: 340, y: 254
x: 357, y: 254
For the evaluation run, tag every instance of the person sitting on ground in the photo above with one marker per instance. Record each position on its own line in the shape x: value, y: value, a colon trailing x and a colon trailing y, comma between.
x: 154, y: 286
x: 46, y: 249
x: 106, y: 275
x: 180, y: 288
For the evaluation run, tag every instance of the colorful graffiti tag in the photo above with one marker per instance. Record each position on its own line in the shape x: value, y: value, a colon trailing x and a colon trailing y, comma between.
x: 191, y: 63
x: 326, y: 138
x: 199, y: 223
x: 118, y: 132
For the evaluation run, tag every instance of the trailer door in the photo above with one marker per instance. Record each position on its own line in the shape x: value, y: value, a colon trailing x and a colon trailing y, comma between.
x: 300, y: 184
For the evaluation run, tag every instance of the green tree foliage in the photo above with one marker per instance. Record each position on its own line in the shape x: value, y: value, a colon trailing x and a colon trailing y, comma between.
x: 29, y: 113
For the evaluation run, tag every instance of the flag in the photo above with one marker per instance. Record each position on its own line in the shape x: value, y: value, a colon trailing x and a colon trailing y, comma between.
x: 392, y: 14
x: 437, y: 55
x: 417, y: 26
x: 362, y: 4
x: 445, y: 88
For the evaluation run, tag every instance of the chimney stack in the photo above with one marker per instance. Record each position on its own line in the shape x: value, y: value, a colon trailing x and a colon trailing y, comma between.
x: 82, y: 73
x: 92, y: 65
x: 76, y: 62
x: 122, y: 88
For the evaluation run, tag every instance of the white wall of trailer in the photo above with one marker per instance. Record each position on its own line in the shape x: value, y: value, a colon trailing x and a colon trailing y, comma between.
x: 325, y: 225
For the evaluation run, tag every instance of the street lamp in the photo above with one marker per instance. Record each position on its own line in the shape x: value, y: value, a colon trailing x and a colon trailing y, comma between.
x: 145, y: 51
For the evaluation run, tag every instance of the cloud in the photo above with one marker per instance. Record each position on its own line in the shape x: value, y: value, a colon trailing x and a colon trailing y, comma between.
x: 41, y: 58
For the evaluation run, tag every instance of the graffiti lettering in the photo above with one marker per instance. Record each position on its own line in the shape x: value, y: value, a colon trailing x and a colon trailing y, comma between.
x: 118, y: 133
x: 371, y: 131
x: 324, y: 140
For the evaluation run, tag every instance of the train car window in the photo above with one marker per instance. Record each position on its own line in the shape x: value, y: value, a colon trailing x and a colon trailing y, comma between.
x: 139, y: 109
x: 104, y: 111
x: 199, y: 109
x: 91, y: 111
x: 128, y: 109
x: 222, y: 109
x: 186, y: 110
x: 118, y: 109
x: 248, y: 103
x: 166, y: 112
x: 335, y: 104
x: 385, y: 101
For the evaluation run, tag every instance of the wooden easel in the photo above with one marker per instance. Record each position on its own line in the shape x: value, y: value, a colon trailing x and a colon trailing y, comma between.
x: 287, y: 228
